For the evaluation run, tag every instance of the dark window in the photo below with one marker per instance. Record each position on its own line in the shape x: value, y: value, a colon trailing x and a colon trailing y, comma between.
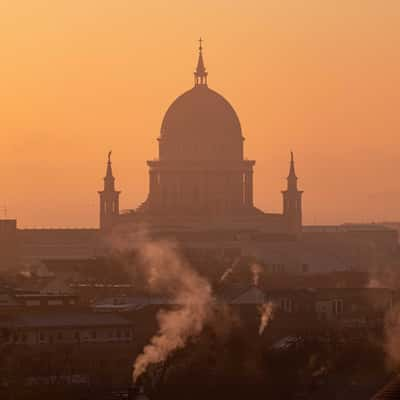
x: 338, y: 306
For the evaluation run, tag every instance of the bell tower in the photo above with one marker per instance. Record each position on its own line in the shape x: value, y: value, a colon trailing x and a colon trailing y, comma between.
x: 109, y: 199
x: 292, y: 207
x: 200, y: 75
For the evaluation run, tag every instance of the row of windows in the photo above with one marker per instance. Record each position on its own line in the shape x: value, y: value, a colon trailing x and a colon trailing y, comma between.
x: 275, y: 268
x: 77, y: 336
x: 336, y: 307
x: 279, y: 268
x: 48, y: 302
x: 286, y: 304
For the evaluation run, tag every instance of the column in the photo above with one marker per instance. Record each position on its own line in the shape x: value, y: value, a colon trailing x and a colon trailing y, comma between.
x: 116, y: 205
x: 153, y: 186
x: 249, y: 189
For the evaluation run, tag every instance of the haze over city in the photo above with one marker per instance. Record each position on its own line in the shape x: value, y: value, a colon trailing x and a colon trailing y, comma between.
x: 318, y: 78
x: 199, y: 200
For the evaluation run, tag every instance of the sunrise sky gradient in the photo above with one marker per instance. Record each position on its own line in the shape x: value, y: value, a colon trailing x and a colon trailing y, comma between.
x: 81, y: 77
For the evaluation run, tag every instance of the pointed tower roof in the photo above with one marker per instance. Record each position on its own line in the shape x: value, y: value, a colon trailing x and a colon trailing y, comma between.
x: 292, y: 172
x: 200, y: 75
x: 109, y: 173
x: 109, y: 179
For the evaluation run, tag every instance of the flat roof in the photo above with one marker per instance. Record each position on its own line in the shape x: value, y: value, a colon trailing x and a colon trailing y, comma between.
x: 347, y: 228
x: 67, y: 319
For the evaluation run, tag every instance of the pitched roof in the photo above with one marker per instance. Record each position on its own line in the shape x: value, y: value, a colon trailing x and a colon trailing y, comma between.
x: 389, y: 391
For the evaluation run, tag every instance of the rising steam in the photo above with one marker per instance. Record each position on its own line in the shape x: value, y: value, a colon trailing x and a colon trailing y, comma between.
x: 229, y: 270
x: 256, y: 272
x: 167, y: 273
x: 266, y: 314
x: 392, y: 337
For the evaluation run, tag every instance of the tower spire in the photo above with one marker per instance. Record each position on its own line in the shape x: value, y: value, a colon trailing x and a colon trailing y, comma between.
x: 292, y: 172
x: 200, y: 75
x: 109, y: 174
x: 292, y: 202
x: 109, y: 198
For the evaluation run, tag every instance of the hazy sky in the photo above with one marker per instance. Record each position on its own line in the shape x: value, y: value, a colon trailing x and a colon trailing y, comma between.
x: 81, y: 77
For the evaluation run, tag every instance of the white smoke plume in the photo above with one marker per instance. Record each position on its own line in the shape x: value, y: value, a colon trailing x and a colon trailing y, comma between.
x: 392, y: 337
x: 266, y: 314
x: 256, y: 272
x: 226, y: 273
x: 229, y: 270
x: 374, y: 283
x: 25, y: 274
x: 167, y: 273
x: 387, y: 276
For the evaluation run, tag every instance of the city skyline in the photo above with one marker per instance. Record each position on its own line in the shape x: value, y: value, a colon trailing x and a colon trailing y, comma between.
x: 331, y: 99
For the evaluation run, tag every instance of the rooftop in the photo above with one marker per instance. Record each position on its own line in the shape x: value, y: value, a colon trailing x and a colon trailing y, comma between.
x: 64, y: 320
x: 348, y: 227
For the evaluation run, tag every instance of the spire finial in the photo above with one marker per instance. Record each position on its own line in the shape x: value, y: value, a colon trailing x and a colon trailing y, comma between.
x: 292, y: 173
x: 200, y: 75
x: 109, y: 174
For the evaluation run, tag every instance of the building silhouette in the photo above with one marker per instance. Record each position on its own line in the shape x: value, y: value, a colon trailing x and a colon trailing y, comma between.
x: 292, y: 207
x: 201, y: 195
x: 109, y: 198
x: 201, y: 176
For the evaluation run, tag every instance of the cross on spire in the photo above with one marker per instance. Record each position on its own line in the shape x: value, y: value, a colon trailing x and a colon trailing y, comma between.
x: 109, y: 178
x: 200, y: 75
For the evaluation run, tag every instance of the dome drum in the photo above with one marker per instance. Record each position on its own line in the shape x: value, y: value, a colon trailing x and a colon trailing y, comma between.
x: 201, y: 169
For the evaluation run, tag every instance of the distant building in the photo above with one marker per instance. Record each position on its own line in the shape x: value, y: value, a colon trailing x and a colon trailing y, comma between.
x: 342, y: 307
x: 201, y: 195
x: 11, y: 301
x: 68, y: 347
x: 73, y: 327
x: 201, y: 182
x: 9, y: 249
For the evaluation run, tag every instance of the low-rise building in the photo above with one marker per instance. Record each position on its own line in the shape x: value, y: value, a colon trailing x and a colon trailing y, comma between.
x: 39, y: 328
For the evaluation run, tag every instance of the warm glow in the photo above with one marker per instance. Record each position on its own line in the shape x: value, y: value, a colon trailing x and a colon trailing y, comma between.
x: 79, y: 78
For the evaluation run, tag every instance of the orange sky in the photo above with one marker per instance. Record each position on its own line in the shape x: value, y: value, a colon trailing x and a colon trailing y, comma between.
x: 80, y: 77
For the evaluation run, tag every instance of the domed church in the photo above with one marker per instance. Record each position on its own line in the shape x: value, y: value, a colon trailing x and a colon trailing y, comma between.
x: 201, y: 197
x: 201, y: 181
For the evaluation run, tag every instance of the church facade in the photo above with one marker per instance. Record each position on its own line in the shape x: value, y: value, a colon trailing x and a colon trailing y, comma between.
x: 201, y: 180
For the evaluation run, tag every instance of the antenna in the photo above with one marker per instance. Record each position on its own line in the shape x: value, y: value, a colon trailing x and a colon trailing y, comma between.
x: 5, y: 211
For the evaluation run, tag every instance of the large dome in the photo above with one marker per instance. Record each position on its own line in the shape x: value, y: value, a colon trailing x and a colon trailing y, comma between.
x: 200, y: 170
x: 201, y: 124
x: 201, y: 111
